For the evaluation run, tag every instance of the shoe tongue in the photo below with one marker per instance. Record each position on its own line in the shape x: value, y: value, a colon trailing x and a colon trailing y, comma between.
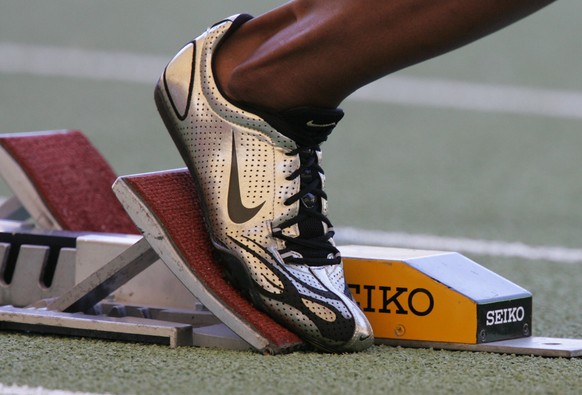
x: 310, y: 127
x: 307, y: 126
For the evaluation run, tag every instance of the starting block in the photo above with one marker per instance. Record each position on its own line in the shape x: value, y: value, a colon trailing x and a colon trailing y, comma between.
x: 62, y: 181
x: 413, y: 298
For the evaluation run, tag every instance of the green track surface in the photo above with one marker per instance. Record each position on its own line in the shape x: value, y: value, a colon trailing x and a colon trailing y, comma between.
x: 123, y: 368
x: 158, y: 370
x: 389, y: 167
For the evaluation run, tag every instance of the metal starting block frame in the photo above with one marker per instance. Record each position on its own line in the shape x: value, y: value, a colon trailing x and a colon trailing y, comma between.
x: 99, y: 305
x: 115, y: 286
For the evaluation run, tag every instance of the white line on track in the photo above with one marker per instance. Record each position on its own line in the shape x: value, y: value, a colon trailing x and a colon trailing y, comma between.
x: 464, y: 245
x: 493, y: 98
x: 435, y: 93
x: 24, y: 390
x: 80, y: 63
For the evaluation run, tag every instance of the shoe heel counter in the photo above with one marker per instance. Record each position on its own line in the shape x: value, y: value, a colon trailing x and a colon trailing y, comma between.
x: 177, y: 81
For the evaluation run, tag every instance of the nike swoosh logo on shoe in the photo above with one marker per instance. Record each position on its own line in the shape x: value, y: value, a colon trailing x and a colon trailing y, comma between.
x: 237, y: 211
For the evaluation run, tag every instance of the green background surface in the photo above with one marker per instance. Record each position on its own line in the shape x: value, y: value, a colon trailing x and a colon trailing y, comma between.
x: 389, y: 167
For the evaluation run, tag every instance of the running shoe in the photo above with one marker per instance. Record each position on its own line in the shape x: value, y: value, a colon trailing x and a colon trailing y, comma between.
x: 261, y: 185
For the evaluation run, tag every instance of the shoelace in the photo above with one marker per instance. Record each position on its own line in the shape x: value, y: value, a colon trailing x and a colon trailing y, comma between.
x: 313, y: 243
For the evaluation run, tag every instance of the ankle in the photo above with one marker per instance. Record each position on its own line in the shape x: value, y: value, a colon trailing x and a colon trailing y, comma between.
x: 248, y: 84
x: 242, y: 74
x: 253, y: 66
x: 267, y: 86
x: 227, y: 58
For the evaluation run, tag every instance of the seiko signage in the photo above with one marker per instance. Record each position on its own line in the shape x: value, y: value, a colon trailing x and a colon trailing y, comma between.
x: 443, y: 297
x: 506, y: 319
x: 422, y: 307
x: 504, y: 316
x: 395, y: 300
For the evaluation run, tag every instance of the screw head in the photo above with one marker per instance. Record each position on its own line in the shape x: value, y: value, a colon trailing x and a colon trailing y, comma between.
x: 399, y: 330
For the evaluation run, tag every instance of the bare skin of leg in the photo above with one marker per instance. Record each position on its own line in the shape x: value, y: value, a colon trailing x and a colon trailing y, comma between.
x: 317, y: 52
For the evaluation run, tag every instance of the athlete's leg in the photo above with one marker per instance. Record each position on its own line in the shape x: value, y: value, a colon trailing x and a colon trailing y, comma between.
x: 317, y: 52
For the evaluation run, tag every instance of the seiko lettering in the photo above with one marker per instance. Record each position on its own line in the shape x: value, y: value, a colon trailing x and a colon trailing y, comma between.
x: 418, y: 301
x: 504, y: 316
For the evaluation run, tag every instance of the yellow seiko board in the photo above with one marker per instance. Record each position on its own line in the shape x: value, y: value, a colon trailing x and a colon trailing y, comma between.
x: 434, y: 296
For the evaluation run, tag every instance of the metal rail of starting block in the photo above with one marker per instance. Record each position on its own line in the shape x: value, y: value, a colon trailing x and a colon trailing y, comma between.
x: 91, y: 308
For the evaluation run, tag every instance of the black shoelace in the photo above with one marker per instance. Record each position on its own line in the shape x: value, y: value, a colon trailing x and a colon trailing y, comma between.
x: 313, y: 242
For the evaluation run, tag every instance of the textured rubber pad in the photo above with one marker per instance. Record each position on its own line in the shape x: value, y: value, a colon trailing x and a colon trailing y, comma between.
x: 71, y: 178
x: 170, y: 197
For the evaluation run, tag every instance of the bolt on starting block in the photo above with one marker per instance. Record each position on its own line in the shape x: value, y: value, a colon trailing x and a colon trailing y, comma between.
x: 165, y: 286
